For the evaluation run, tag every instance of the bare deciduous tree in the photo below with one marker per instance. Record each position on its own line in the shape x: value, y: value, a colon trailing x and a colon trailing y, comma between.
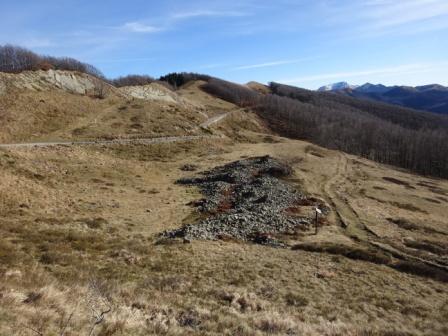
x: 414, y: 140
x: 15, y: 59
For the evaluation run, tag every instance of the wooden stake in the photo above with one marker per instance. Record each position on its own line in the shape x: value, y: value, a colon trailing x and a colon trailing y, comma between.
x: 318, y: 211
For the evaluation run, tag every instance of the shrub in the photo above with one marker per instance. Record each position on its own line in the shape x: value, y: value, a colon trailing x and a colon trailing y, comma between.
x: 177, y: 79
x: 132, y: 80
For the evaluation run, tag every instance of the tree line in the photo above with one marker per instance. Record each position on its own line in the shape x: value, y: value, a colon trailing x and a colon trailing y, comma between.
x: 14, y: 59
x: 380, y: 132
x: 177, y: 79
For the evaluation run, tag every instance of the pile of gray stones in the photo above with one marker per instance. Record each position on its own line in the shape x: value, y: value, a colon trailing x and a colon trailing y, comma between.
x: 244, y: 200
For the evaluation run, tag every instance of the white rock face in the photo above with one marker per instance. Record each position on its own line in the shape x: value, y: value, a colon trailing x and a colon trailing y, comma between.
x: 49, y: 80
x: 154, y: 91
x: 151, y: 91
x: 83, y: 84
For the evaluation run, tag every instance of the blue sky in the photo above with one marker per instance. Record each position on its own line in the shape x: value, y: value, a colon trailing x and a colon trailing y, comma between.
x: 307, y: 43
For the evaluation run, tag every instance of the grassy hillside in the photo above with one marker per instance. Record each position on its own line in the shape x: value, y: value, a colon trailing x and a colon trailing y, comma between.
x: 79, y: 234
x: 405, y: 138
x: 48, y: 106
x: 81, y: 250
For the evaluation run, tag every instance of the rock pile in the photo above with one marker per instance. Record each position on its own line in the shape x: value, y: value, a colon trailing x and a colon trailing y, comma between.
x: 245, y: 200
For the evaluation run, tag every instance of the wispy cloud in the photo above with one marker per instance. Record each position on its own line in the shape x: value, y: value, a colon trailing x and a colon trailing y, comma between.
x: 390, y: 17
x: 398, y: 70
x: 121, y: 60
x: 172, y: 19
x: 206, y: 13
x: 270, y: 64
x: 394, y: 13
x: 138, y: 27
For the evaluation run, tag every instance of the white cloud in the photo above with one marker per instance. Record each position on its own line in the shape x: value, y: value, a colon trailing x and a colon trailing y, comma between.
x: 387, y: 14
x: 205, y: 13
x: 373, y: 18
x: 137, y: 27
x: 121, y: 60
x: 170, y: 20
x: 270, y: 64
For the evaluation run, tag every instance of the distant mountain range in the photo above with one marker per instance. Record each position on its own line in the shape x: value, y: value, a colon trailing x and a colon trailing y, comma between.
x: 433, y: 98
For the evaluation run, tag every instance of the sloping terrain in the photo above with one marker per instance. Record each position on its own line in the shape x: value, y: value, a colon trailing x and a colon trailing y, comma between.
x: 155, y: 91
x: 50, y: 80
x: 84, y: 247
x: 60, y: 105
x: 87, y: 233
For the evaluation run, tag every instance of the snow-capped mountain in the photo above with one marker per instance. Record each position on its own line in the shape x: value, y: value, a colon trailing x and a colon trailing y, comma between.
x: 337, y: 86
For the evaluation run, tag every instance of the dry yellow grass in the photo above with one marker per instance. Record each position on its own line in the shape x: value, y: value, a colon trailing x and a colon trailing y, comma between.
x: 27, y: 115
x: 79, y: 231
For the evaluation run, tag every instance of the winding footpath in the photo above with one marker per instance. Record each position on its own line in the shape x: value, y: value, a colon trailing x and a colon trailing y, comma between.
x: 113, y: 142
x: 158, y: 140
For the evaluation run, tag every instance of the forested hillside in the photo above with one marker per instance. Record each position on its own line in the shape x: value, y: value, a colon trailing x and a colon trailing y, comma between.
x: 432, y: 98
x: 385, y: 133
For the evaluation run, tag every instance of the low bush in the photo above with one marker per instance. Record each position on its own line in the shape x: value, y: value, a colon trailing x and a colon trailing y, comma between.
x: 177, y: 79
x: 132, y: 80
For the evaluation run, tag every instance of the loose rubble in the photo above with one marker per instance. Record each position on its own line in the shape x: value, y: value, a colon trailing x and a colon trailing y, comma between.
x: 245, y: 200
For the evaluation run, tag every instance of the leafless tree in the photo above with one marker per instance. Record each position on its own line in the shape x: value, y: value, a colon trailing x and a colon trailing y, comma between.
x: 15, y: 59
x: 414, y: 140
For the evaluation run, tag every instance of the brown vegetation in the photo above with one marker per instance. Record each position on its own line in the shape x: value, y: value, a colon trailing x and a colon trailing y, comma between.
x: 384, y: 133
x: 15, y: 59
x: 79, y: 225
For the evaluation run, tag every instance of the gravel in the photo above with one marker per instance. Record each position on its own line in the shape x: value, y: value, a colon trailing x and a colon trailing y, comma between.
x: 245, y: 200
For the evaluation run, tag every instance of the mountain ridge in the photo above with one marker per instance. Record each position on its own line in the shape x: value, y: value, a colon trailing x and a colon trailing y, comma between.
x: 430, y: 97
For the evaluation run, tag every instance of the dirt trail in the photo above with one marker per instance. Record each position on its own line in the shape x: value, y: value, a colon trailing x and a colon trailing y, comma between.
x: 113, y: 142
x: 215, y: 119
x: 167, y: 139
x: 353, y: 226
x: 347, y: 216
